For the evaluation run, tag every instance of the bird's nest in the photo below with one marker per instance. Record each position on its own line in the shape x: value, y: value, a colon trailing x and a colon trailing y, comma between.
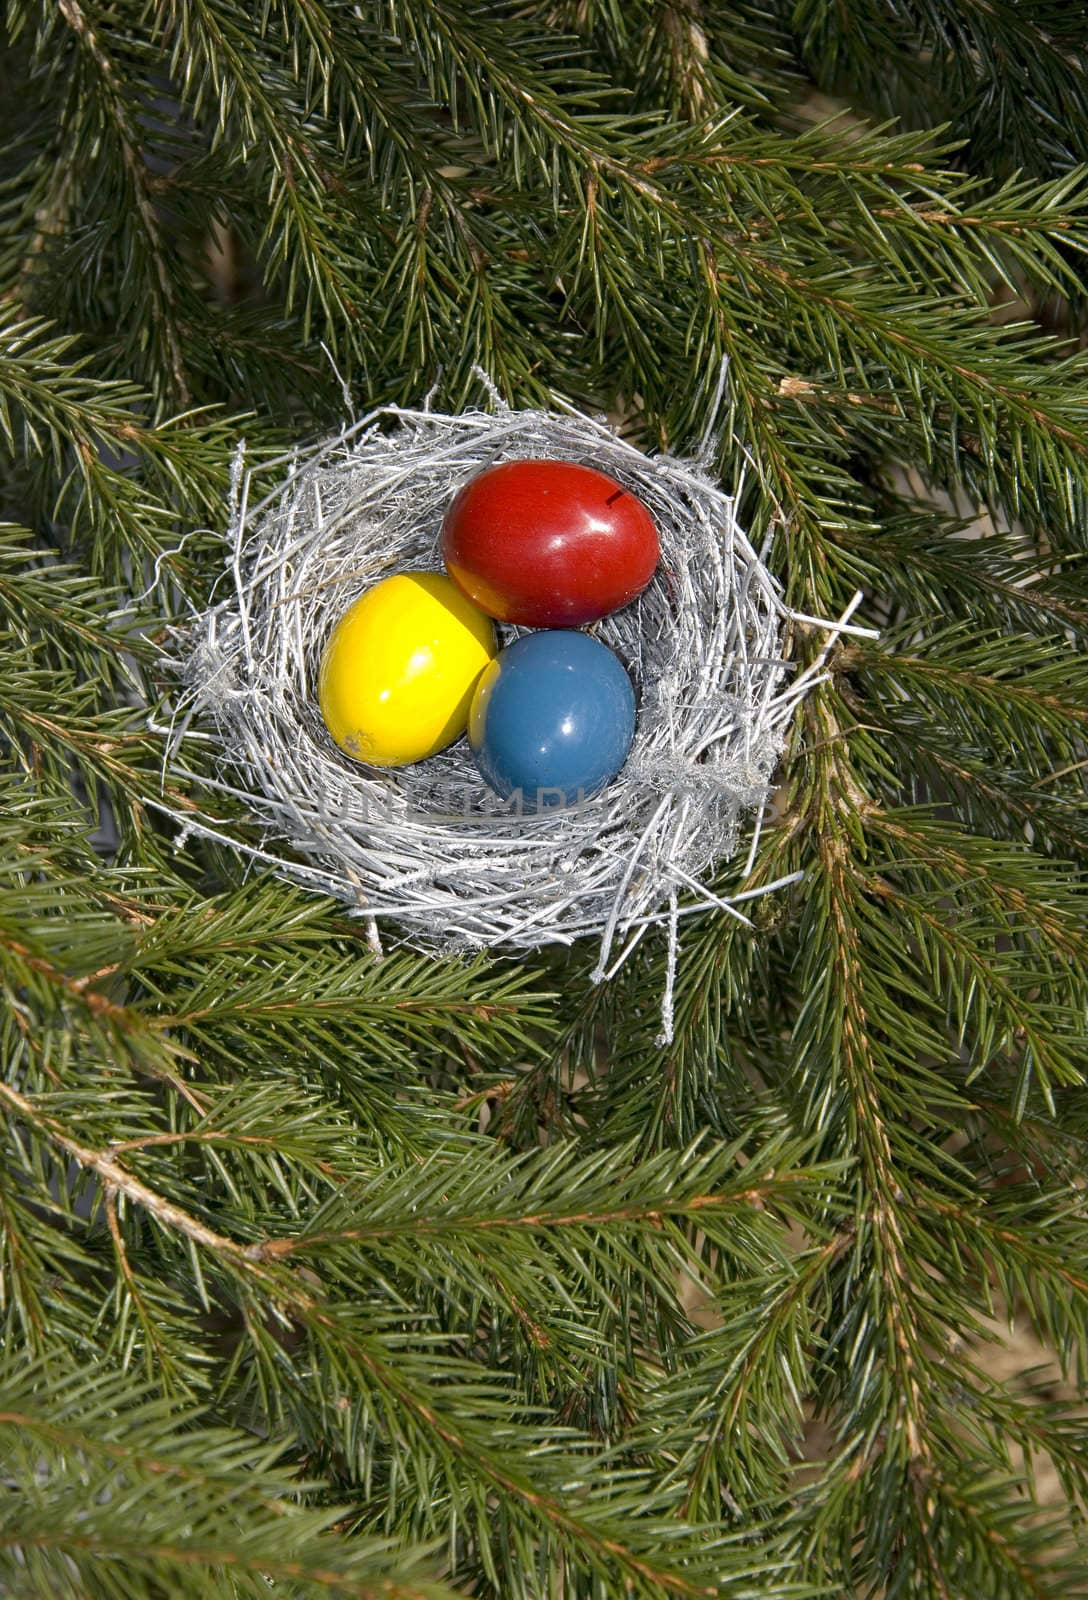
x: 428, y: 847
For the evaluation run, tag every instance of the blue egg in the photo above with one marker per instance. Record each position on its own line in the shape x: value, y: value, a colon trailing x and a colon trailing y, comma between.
x: 553, y: 717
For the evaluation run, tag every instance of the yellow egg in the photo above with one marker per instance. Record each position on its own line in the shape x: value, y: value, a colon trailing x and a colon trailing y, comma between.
x: 399, y: 669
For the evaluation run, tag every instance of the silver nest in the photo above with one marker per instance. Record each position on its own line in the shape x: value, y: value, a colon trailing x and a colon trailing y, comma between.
x: 428, y: 847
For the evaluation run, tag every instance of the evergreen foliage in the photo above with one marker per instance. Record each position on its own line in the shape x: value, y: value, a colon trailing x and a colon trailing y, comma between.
x: 327, y: 1274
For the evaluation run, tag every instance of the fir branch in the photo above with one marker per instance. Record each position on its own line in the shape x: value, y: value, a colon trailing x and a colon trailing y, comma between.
x: 246, y: 1523
x: 119, y: 119
x: 330, y: 1328
x: 51, y: 407
x: 438, y: 1229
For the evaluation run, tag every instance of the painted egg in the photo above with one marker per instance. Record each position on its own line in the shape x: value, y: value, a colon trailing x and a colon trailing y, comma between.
x: 548, y: 544
x: 398, y: 672
x: 553, y: 717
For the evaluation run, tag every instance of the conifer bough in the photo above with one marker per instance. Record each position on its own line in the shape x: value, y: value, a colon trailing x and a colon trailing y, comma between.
x: 321, y: 1274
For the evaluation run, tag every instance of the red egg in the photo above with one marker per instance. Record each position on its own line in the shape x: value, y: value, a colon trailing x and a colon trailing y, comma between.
x: 548, y: 544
